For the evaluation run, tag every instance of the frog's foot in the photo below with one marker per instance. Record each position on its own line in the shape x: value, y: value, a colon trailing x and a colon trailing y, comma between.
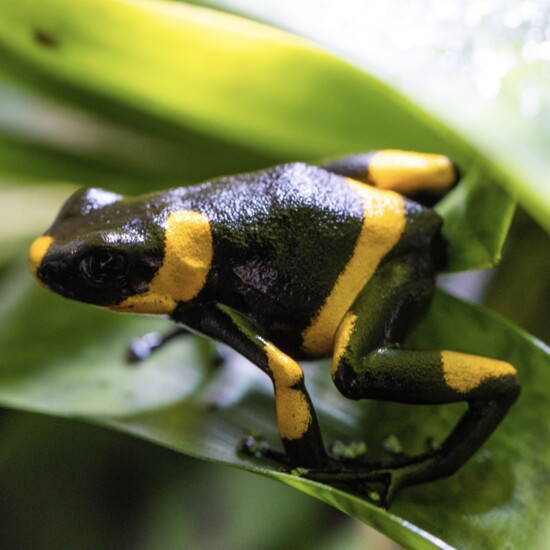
x: 378, y: 483
x: 347, y: 469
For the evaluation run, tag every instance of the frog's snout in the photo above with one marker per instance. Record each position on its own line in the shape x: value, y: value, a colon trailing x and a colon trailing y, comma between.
x: 37, y: 252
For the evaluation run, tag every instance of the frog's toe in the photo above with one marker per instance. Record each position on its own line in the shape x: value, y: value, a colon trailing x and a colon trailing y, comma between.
x: 142, y: 348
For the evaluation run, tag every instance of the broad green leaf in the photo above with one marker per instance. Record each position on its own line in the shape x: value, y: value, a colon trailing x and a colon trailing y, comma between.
x: 235, y: 89
x: 178, y: 401
x: 477, y: 216
x: 66, y: 143
x: 223, y: 88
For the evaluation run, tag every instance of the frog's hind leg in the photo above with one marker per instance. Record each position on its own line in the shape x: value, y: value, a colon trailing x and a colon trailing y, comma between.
x: 422, y: 176
x: 369, y: 364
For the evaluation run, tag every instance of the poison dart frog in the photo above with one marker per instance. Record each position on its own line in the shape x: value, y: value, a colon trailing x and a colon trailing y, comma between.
x: 294, y: 262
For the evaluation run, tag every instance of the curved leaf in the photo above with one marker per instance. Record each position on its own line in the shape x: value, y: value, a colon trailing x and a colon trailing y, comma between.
x: 221, y: 101
x: 477, y: 215
x: 174, y: 402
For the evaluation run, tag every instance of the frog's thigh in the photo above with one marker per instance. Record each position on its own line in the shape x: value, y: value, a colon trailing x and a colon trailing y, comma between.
x: 387, y: 308
x: 368, y: 362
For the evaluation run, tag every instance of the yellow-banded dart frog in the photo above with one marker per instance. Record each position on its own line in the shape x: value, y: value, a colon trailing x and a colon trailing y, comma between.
x: 288, y: 263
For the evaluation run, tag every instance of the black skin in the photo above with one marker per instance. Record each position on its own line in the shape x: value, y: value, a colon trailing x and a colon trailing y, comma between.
x: 281, y: 238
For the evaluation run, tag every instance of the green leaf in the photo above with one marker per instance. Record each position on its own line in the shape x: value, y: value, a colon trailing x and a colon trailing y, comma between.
x: 129, y: 154
x: 477, y: 216
x: 230, y: 98
x: 178, y: 401
x: 237, y: 93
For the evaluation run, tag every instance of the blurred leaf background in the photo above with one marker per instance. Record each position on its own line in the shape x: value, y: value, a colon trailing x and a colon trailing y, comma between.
x: 142, y: 95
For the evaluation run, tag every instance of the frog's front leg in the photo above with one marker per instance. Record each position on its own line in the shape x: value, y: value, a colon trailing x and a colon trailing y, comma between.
x: 143, y: 347
x: 369, y: 364
x: 146, y: 345
x: 296, y: 418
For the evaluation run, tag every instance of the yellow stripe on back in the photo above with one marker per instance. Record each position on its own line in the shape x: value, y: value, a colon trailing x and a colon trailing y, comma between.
x: 383, y: 223
x: 187, y: 259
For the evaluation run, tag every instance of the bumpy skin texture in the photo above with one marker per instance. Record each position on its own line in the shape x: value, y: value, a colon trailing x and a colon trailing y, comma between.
x: 293, y: 262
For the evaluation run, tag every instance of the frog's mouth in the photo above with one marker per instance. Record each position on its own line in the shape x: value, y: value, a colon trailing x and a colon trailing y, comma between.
x: 38, y: 250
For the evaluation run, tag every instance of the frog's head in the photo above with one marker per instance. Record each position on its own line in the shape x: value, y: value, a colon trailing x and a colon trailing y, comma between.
x: 139, y: 254
x: 101, y: 249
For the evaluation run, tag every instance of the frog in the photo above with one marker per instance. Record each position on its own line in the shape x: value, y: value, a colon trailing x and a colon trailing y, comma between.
x: 290, y: 263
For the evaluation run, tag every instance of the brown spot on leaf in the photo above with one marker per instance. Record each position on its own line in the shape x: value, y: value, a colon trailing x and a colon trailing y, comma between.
x: 45, y: 38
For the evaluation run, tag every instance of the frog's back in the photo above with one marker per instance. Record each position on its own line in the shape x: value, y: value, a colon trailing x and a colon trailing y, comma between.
x: 293, y: 245
x: 283, y: 193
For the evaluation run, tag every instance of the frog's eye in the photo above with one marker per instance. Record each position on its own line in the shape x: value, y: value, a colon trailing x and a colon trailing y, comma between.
x: 104, y: 268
